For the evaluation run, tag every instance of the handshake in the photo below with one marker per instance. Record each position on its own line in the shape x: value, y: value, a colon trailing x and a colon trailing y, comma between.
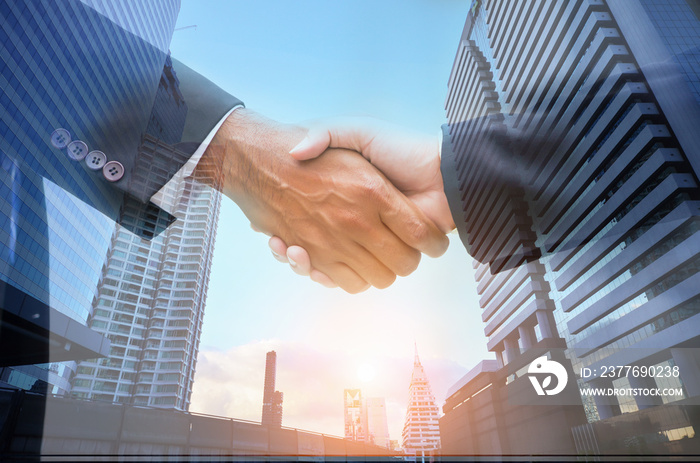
x: 349, y: 202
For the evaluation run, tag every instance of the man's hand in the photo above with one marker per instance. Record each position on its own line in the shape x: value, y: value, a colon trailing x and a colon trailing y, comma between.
x: 409, y: 161
x: 357, y: 227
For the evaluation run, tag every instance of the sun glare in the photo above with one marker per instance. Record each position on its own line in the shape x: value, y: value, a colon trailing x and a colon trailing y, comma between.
x: 366, y: 372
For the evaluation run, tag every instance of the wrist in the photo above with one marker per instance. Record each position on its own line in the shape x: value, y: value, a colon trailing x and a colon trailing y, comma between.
x: 250, y: 154
x: 244, y: 149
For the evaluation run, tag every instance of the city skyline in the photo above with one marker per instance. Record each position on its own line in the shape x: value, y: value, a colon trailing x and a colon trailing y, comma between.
x: 74, y: 290
x: 365, y: 417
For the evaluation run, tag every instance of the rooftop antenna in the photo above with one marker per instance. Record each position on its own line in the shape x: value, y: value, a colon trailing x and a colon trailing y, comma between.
x: 192, y: 26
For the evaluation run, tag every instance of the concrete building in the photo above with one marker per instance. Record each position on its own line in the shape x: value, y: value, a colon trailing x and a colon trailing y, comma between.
x: 421, y: 433
x: 576, y: 122
x: 272, y: 399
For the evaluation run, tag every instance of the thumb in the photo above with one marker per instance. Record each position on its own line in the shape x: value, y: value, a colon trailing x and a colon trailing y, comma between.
x: 312, y: 146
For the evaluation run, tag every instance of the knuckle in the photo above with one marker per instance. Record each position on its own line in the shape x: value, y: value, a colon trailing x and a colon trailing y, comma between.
x: 356, y: 287
x: 375, y: 187
x: 385, y: 280
x: 419, y: 231
x: 445, y: 244
x: 357, y: 223
x: 409, y: 263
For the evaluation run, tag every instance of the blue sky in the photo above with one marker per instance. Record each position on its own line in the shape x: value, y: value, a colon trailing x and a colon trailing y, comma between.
x: 293, y: 61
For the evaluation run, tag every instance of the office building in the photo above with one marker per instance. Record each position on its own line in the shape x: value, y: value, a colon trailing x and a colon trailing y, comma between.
x: 365, y: 418
x: 573, y: 126
x: 376, y: 425
x: 421, y: 434
x: 272, y: 399
x: 352, y: 412
x: 53, y: 240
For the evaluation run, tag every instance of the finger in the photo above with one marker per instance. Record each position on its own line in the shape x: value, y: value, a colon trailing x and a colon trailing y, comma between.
x: 278, y: 248
x: 299, y: 255
x: 313, y: 145
x: 299, y: 260
x: 345, y: 277
x: 353, y: 133
x: 435, y: 206
x: 320, y: 277
x: 369, y: 268
x: 412, y: 226
x: 391, y: 251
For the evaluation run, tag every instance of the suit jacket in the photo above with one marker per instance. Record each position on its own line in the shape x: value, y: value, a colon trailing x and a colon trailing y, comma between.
x: 113, y: 86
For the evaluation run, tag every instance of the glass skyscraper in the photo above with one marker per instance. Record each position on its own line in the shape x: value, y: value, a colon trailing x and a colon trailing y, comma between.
x: 573, y: 129
x: 58, y: 216
x: 352, y: 415
x: 377, y: 427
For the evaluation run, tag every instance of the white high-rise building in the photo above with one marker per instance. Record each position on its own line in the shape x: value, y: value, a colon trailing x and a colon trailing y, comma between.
x: 150, y: 304
x: 421, y: 432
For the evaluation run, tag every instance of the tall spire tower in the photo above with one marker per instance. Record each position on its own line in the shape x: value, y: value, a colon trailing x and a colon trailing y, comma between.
x: 421, y: 434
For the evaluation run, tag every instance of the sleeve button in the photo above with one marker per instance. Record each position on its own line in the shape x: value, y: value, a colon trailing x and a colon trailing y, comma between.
x: 60, y: 138
x: 95, y: 160
x: 77, y: 150
x: 113, y: 171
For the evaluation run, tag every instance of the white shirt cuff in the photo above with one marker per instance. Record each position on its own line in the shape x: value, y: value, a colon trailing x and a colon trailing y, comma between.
x: 159, y: 199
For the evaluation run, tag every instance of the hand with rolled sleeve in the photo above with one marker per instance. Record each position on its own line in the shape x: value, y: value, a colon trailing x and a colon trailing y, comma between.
x: 411, y: 162
x: 357, y: 228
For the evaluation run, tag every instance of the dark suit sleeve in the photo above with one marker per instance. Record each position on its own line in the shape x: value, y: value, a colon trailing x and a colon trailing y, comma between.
x: 448, y: 167
x: 185, y: 109
x: 124, y: 98
x: 487, y: 190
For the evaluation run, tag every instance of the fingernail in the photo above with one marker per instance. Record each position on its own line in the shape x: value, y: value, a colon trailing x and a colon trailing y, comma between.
x: 277, y: 256
x: 302, y: 145
x: 291, y: 262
